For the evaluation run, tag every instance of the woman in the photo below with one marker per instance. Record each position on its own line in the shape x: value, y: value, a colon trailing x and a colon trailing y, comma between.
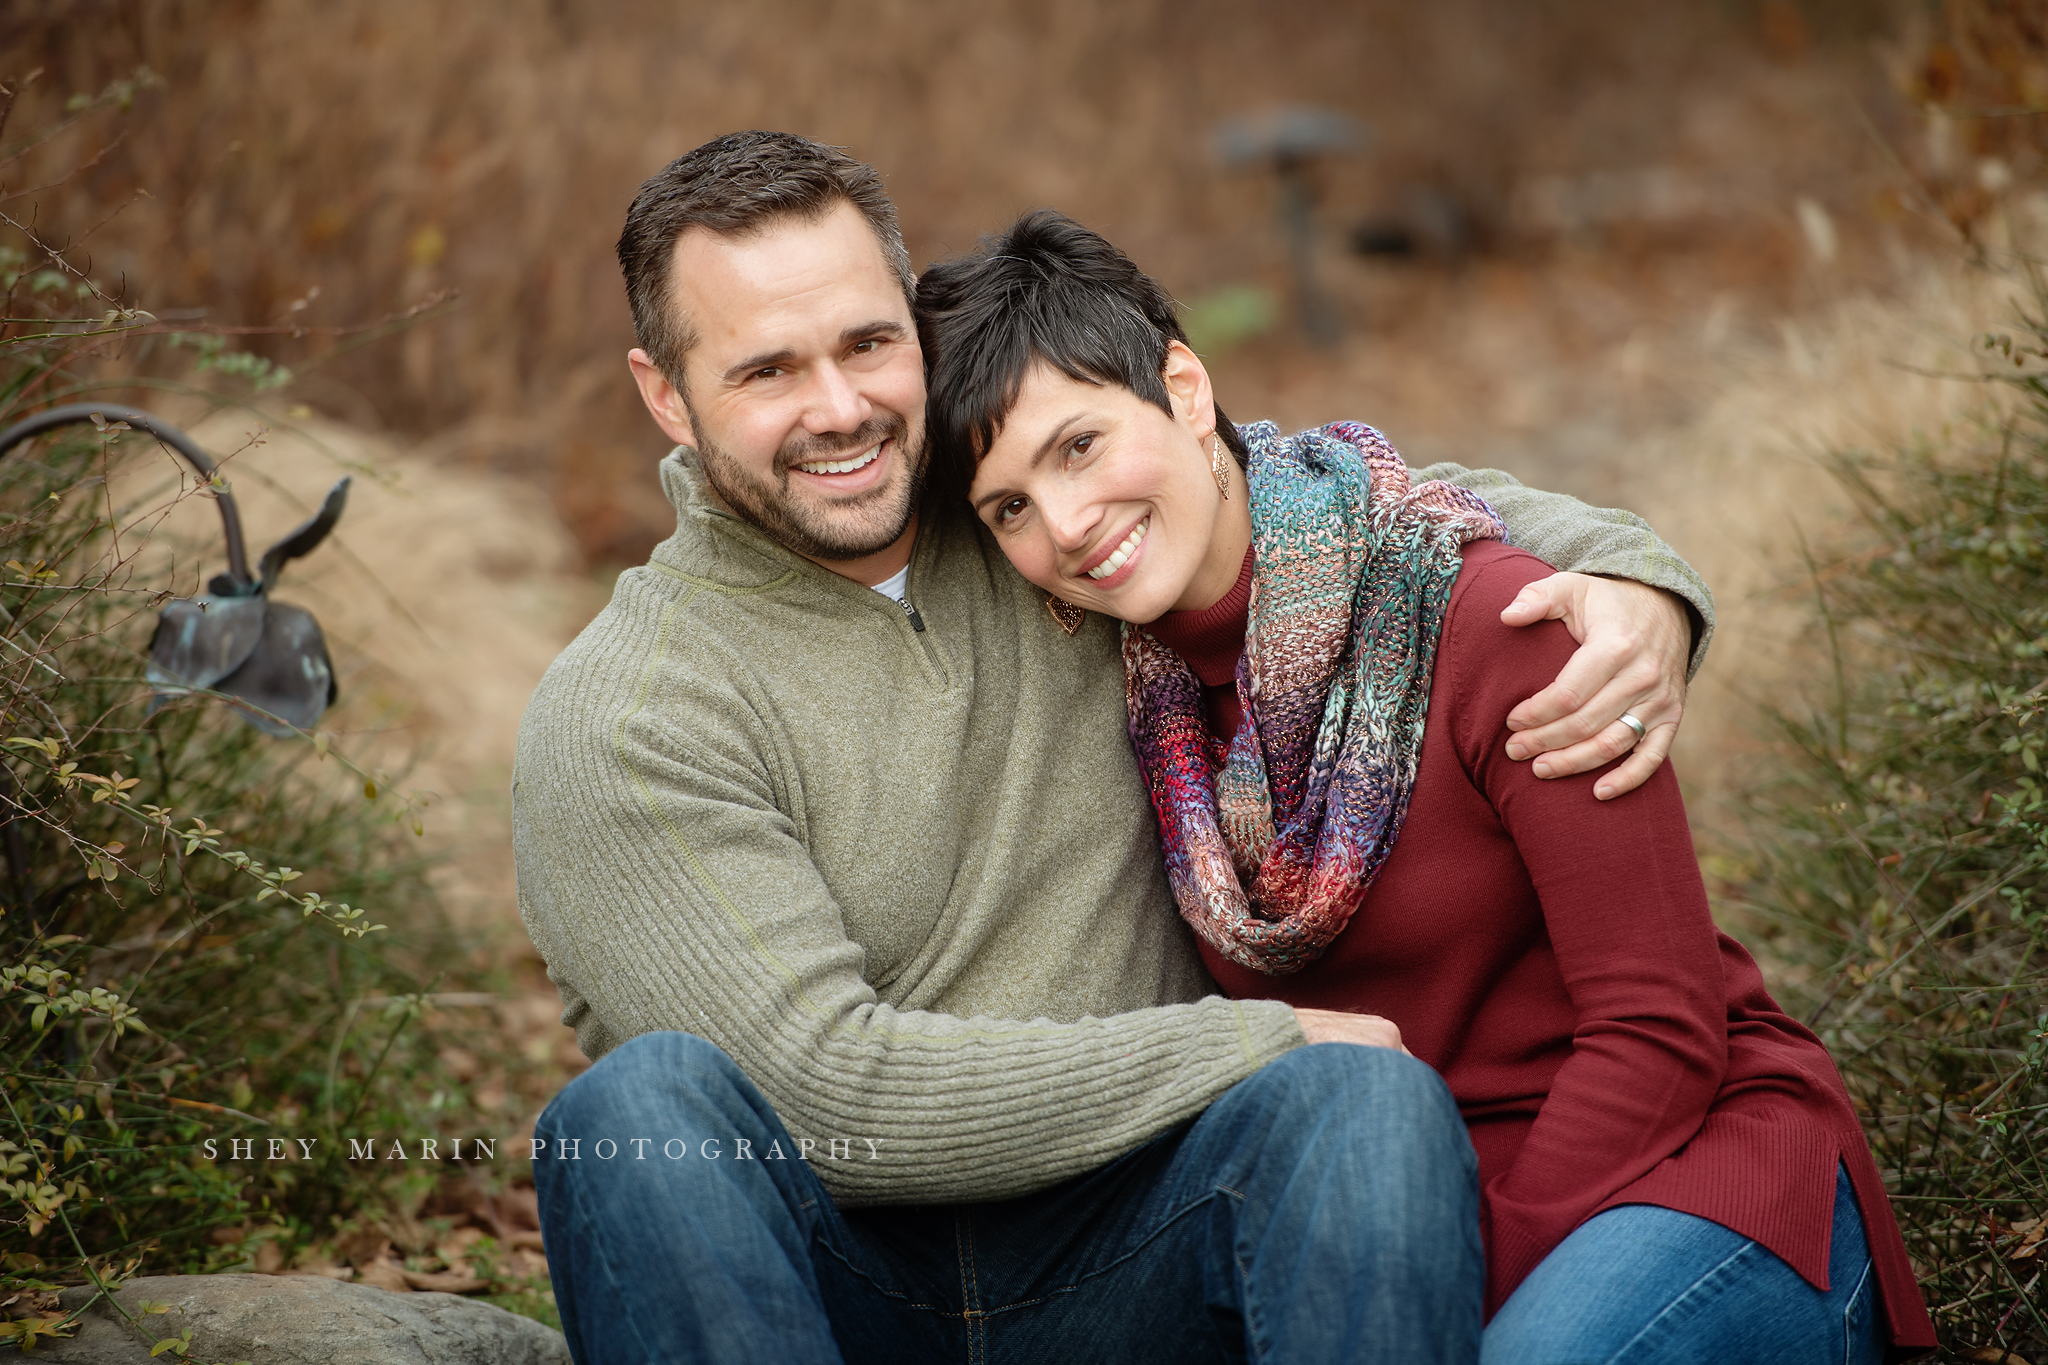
x: 1670, y: 1166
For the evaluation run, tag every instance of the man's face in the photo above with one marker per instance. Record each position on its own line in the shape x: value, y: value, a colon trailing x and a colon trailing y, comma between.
x: 805, y: 387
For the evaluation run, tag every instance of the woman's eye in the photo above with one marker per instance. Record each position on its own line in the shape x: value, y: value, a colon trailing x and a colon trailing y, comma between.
x: 1078, y: 448
x: 1009, y: 509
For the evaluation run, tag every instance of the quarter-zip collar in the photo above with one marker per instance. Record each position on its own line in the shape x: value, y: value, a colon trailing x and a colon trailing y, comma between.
x: 715, y: 547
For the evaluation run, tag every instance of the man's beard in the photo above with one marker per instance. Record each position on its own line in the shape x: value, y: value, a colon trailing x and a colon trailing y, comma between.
x: 849, y: 528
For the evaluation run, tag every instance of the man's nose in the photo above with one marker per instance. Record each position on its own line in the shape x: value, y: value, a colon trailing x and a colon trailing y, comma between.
x: 832, y: 403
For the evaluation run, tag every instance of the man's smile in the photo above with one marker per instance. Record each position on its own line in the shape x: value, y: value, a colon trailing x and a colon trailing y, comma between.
x: 860, y: 461
x: 858, y: 471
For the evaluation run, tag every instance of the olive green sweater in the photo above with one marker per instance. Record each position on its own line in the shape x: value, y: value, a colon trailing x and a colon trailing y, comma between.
x: 906, y: 877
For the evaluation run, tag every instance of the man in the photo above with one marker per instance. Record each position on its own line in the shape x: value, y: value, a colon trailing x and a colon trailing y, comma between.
x: 834, y: 845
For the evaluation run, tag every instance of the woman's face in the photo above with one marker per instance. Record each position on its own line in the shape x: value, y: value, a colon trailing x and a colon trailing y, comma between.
x: 1101, y: 498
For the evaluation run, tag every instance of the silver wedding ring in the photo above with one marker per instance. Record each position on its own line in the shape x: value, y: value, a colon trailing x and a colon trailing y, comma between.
x: 1632, y: 723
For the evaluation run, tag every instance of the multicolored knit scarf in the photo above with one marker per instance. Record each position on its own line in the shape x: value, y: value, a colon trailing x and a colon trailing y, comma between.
x: 1351, y: 574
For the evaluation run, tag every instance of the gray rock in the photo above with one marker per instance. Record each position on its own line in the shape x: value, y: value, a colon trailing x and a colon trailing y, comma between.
x: 302, y: 1320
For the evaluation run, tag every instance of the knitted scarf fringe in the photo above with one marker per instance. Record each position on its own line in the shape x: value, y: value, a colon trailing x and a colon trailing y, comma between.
x: 1271, y: 853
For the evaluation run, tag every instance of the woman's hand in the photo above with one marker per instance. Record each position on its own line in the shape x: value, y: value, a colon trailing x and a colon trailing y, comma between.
x: 1336, y: 1026
x: 1634, y: 644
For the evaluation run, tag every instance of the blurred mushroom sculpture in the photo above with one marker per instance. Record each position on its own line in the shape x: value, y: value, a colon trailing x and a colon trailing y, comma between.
x: 231, y: 639
x: 1290, y: 140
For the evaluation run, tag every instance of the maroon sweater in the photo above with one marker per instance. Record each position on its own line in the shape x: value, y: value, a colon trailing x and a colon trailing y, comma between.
x: 1552, y: 956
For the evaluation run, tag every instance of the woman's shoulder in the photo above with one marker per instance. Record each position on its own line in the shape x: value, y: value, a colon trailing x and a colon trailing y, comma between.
x: 1484, y: 669
x: 1493, y: 573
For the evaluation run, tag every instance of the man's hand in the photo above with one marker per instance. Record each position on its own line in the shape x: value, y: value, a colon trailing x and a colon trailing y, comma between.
x: 1335, y: 1026
x: 1634, y: 641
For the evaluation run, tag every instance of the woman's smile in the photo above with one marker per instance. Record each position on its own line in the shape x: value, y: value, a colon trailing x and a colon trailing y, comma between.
x: 1120, y: 556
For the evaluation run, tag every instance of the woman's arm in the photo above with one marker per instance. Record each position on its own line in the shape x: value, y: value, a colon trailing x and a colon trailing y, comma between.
x: 1627, y: 918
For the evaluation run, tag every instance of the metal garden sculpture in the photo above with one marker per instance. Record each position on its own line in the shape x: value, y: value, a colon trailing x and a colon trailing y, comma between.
x: 232, y: 639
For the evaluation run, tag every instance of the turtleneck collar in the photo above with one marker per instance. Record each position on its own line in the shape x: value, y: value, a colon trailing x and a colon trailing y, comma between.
x: 1211, y: 639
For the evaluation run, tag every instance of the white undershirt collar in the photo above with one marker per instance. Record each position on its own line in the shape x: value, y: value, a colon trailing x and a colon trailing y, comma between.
x: 894, y: 585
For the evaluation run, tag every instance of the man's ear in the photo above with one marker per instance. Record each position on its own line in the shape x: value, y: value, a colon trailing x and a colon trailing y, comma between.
x: 670, y: 413
x: 1187, y: 387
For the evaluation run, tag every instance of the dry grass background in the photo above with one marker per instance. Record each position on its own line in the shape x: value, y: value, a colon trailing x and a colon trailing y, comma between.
x: 1620, y: 169
x: 1704, y: 239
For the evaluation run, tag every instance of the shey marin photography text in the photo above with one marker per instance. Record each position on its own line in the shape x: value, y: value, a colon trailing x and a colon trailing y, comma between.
x: 564, y: 1149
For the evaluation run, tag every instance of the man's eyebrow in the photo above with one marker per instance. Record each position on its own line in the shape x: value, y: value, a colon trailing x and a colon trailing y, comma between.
x: 883, y: 327
x: 1037, y: 458
x: 735, y: 373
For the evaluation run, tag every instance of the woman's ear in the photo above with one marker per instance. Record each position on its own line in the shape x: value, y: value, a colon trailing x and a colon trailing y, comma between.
x: 1187, y: 388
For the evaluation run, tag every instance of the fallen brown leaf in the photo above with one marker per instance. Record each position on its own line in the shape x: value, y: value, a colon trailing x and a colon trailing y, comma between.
x: 454, y: 1248
x: 445, y: 1282
x: 30, y: 1304
x: 362, y: 1246
x: 385, y: 1275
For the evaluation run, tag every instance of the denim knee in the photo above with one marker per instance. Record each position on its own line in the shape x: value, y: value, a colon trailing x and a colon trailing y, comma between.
x: 1309, y: 1081
x: 678, y: 1079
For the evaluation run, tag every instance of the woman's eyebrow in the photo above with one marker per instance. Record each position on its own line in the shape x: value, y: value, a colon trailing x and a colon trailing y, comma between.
x: 1054, y: 439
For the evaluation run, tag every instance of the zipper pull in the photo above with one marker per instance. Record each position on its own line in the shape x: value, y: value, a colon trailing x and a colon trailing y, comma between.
x: 916, y: 621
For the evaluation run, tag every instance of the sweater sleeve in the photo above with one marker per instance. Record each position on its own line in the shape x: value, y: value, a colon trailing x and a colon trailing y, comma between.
x: 667, y: 891
x: 1605, y: 541
x: 1626, y: 914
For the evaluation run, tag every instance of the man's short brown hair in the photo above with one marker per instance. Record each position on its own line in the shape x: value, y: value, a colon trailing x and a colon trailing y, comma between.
x: 736, y: 185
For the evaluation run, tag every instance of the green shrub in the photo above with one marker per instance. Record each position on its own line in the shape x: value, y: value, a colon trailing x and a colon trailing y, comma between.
x: 1907, y: 849
x: 206, y: 934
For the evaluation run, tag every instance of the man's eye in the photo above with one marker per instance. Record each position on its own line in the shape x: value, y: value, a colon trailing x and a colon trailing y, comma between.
x: 864, y: 347
x: 768, y: 372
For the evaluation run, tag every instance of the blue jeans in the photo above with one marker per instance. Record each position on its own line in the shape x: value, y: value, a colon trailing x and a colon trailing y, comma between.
x: 1650, y: 1286
x: 1324, y: 1209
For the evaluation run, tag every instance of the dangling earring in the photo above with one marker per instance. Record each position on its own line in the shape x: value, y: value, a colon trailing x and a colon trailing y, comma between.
x: 1066, y: 613
x: 1217, y: 466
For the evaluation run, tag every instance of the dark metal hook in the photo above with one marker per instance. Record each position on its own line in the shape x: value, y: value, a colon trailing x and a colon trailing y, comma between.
x: 50, y: 418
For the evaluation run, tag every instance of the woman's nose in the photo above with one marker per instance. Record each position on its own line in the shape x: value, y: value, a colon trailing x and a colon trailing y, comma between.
x: 1071, y: 522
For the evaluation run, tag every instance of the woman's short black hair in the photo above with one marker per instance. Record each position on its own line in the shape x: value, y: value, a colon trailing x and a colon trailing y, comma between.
x: 1050, y: 290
